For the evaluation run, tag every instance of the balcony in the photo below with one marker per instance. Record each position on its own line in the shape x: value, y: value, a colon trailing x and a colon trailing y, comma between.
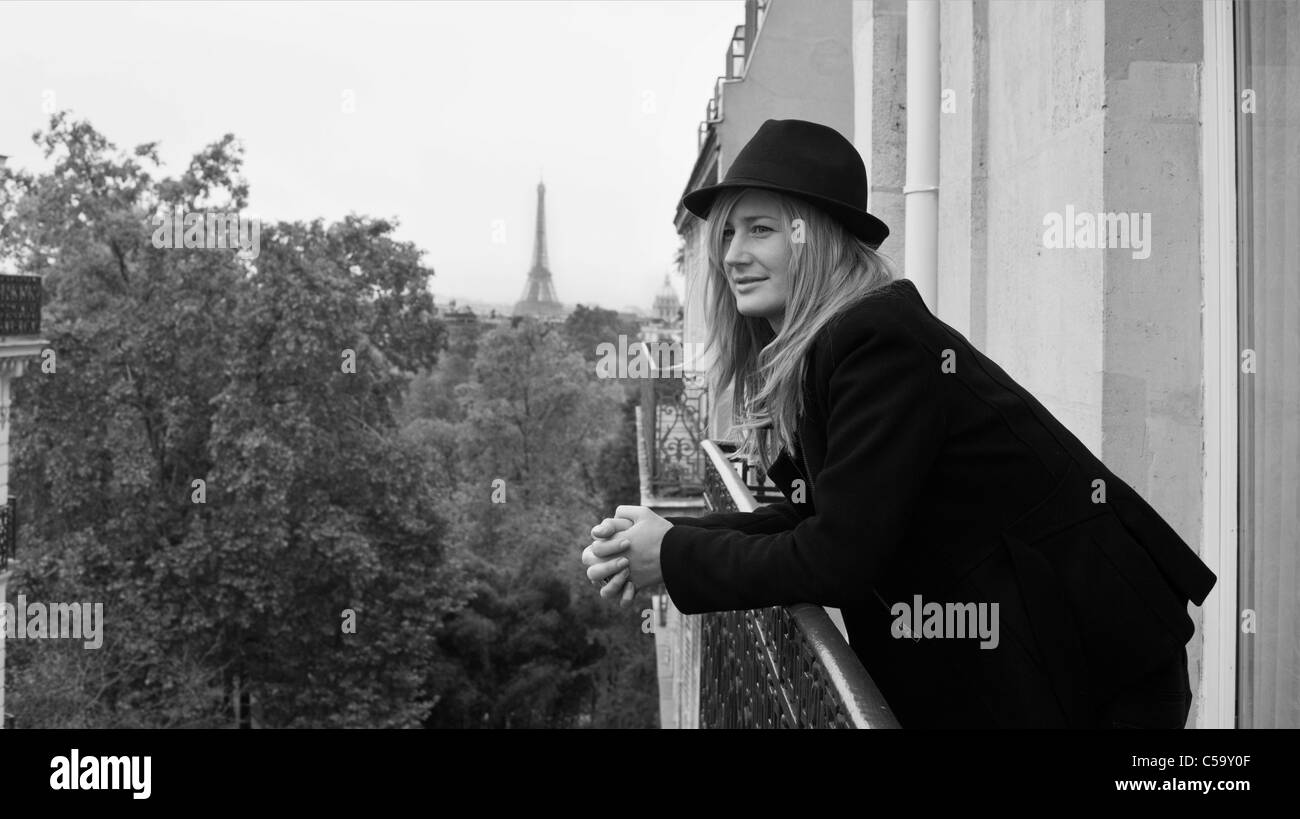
x: 781, y: 667
x: 20, y: 305
x: 739, y: 50
x: 672, y: 424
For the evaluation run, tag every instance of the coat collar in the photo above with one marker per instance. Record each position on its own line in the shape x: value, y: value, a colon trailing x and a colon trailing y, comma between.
x: 783, y: 472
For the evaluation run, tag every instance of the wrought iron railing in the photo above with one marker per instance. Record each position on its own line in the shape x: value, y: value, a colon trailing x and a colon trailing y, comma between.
x: 751, y: 475
x: 20, y: 305
x: 8, y: 531
x: 781, y: 667
x: 675, y: 413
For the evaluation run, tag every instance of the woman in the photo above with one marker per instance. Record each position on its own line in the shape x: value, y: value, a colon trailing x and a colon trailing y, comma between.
x: 923, y: 484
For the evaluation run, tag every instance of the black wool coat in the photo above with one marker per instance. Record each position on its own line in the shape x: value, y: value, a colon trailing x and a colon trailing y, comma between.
x: 928, y: 471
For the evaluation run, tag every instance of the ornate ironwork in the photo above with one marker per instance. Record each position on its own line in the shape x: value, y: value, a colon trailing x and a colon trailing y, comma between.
x: 20, y: 305
x: 780, y: 667
x: 753, y: 475
x: 676, y: 412
x: 8, y: 530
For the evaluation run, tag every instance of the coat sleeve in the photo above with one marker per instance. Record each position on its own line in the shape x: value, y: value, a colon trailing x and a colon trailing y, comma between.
x: 885, y: 428
x: 775, y: 517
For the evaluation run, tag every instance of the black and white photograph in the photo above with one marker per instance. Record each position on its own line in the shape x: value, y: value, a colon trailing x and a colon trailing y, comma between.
x: 557, y: 365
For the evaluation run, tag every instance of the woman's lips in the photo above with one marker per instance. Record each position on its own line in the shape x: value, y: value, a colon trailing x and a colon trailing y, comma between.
x: 745, y: 285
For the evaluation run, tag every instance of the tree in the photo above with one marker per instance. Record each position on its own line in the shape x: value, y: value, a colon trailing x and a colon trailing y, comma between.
x: 588, y: 327
x: 432, y: 393
x: 526, y: 470
x: 189, y: 375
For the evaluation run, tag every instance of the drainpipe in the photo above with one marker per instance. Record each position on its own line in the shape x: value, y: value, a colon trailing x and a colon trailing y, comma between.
x: 921, y: 190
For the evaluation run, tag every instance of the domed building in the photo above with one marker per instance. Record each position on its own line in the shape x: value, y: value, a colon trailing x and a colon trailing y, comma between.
x: 667, y: 307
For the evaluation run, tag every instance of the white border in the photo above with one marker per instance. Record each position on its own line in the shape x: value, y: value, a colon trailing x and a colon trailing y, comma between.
x: 1217, y: 688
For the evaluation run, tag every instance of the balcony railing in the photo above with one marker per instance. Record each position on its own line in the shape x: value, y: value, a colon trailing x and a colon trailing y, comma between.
x: 781, y: 667
x: 739, y: 50
x: 8, y: 531
x: 675, y: 413
x: 20, y: 305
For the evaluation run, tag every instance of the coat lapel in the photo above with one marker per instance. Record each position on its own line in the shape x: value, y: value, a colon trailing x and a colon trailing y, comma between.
x: 783, y: 472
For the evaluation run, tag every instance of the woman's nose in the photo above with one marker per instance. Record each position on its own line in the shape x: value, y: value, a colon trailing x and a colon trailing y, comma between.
x: 735, y: 251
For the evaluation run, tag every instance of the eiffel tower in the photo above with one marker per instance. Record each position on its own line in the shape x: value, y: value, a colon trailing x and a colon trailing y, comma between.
x: 538, y: 299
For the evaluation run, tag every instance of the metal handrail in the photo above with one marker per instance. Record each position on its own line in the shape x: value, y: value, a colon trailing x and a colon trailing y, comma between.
x: 740, y: 49
x: 737, y: 54
x: 786, y: 666
x: 740, y: 495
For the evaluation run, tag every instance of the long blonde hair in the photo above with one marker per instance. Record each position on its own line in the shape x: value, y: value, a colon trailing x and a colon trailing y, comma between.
x: 831, y: 270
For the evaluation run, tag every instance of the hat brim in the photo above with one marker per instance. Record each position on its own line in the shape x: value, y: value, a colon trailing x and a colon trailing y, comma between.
x: 859, y: 223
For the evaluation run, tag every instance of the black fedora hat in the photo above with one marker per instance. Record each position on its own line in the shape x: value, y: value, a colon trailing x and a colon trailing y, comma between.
x: 804, y: 159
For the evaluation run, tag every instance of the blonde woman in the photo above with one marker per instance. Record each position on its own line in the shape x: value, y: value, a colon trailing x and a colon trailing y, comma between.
x: 920, y: 480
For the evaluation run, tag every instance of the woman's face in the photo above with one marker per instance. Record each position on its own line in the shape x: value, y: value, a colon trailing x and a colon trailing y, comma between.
x: 757, y: 260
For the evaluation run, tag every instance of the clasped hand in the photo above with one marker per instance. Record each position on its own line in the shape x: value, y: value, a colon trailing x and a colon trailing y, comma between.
x: 625, y: 554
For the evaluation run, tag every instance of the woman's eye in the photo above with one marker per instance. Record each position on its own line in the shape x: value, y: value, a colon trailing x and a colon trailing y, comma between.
x: 727, y: 232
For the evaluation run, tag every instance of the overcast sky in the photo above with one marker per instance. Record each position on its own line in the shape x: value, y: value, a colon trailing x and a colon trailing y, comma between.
x: 458, y: 108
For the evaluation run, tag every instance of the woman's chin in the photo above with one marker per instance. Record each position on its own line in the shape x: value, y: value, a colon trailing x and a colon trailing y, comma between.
x: 751, y: 309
